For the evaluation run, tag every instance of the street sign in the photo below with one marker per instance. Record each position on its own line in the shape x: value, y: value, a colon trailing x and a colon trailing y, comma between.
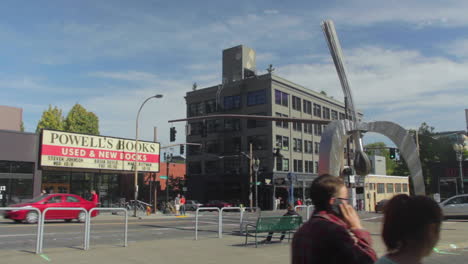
x: 3, y: 188
x: 164, y: 177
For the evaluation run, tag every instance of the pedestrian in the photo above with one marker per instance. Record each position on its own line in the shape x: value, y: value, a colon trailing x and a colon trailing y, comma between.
x: 182, y: 205
x: 177, y: 204
x: 334, y: 233
x: 43, y: 192
x: 411, y: 228
x: 94, y: 197
x: 290, y: 212
x: 277, y: 203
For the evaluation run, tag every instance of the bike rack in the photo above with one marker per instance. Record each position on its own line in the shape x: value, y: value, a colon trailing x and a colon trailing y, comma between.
x: 307, y: 209
x: 85, y: 246
x: 220, y: 225
x: 39, y: 214
x: 196, y: 218
x: 88, y: 231
x: 242, y: 215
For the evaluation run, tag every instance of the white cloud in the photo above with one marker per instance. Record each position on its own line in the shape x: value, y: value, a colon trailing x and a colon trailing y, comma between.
x: 420, y: 13
x: 457, y: 48
x: 396, y: 85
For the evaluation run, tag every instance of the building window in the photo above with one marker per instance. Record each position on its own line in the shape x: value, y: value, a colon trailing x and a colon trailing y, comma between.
x: 283, y: 124
x: 326, y: 113
x: 317, y: 129
x: 232, y: 102
x: 296, y: 103
x: 252, y: 123
x: 334, y: 115
x: 256, y: 98
x: 316, y: 166
x: 258, y: 142
x: 193, y: 149
x: 210, y: 106
x: 309, y: 166
x: 389, y: 187
x: 307, y: 107
x: 195, y: 128
x: 398, y: 187
x: 380, y: 188
x: 212, y: 146
x: 214, y: 125
x: 308, y: 128
x: 297, y: 145
x: 231, y: 125
x: 194, y: 167
x: 308, y: 146
x: 342, y: 116
x: 211, y: 166
x: 281, y: 98
x: 285, y: 164
x: 297, y: 126
x: 282, y: 142
x: 232, y: 144
x: 297, y: 164
x: 195, y: 109
x: 317, y: 110
x: 405, y: 187
x: 232, y: 166
x: 317, y: 144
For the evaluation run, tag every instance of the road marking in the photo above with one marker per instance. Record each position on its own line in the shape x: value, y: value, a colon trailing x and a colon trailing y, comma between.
x: 45, y: 257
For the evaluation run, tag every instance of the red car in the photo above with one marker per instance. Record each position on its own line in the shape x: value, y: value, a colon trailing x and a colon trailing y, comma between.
x: 216, y: 203
x: 52, y: 200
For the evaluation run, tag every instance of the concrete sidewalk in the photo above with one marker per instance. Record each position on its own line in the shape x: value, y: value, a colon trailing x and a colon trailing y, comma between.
x: 229, y: 249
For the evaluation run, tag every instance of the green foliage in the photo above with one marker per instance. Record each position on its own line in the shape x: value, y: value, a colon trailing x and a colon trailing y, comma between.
x: 81, y: 121
x: 380, y: 149
x: 22, y: 126
x: 51, y: 119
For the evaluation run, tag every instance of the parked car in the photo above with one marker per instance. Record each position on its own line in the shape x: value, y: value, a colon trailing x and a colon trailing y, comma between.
x: 380, y: 206
x: 217, y: 203
x: 455, y: 206
x: 192, y: 205
x: 52, y: 201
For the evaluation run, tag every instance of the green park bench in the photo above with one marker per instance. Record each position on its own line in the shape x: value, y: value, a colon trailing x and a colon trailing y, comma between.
x: 274, y: 224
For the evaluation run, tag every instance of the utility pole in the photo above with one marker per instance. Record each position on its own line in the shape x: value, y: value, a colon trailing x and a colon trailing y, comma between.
x: 256, y: 166
x: 168, y: 159
x: 250, y: 173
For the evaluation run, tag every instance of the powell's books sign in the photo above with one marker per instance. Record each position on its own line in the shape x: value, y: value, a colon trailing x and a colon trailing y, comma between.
x: 71, y: 150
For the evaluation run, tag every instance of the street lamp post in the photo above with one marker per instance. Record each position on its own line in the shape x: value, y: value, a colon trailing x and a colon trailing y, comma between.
x: 256, y: 166
x: 459, y: 148
x: 136, y: 150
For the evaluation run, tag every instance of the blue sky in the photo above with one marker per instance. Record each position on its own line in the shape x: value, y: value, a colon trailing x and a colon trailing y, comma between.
x: 407, y: 63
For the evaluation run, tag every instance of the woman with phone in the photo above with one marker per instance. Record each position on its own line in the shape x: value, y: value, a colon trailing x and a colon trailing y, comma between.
x: 334, y: 233
x: 411, y: 229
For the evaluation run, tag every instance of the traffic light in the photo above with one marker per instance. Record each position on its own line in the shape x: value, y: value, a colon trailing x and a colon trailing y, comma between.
x: 392, y: 153
x: 182, y: 149
x: 173, y: 134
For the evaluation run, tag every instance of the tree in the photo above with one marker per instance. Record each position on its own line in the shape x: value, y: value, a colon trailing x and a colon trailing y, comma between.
x: 380, y: 149
x: 22, y: 126
x: 81, y: 121
x: 51, y: 119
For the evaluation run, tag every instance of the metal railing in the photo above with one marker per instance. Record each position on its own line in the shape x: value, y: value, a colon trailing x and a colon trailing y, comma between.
x: 85, y: 246
x: 242, y: 216
x: 196, y: 218
x: 88, y: 231
x: 220, y: 220
x: 308, y: 209
x: 39, y: 214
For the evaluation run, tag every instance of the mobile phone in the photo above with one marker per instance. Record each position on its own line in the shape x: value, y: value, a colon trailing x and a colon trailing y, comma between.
x: 335, y: 207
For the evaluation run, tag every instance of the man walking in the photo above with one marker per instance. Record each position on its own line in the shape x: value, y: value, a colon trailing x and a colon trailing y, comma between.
x: 334, y: 233
x: 177, y: 204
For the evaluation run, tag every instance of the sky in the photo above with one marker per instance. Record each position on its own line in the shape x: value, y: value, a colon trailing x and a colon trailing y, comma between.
x: 406, y: 62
